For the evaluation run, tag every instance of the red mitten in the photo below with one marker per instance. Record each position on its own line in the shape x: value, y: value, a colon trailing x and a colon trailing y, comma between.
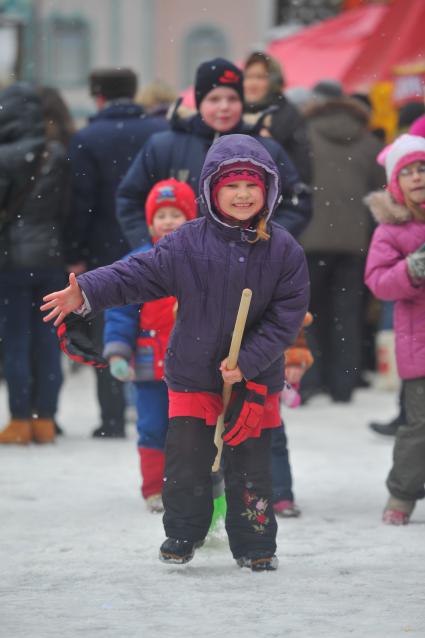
x: 243, y: 417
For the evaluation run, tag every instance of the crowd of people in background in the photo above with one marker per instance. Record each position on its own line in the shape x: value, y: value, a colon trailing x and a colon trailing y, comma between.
x: 75, y: 200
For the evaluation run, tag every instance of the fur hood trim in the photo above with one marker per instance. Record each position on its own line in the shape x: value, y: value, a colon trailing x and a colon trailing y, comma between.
x: 385, y: 210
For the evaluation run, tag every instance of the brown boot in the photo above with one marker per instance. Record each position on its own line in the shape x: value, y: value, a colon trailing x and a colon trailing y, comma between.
x: 43, y: 430
x: 17, y: 431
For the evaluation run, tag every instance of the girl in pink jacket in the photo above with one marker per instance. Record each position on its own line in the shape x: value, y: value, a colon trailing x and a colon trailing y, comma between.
x: 395, y: 271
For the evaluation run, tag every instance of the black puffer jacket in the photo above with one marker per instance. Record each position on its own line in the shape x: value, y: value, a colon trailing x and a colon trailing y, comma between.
x: 31, y: 218
x: 180, y: 153
x: 287, y: 126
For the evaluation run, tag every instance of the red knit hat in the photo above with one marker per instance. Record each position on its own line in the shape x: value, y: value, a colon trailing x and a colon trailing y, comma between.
x: 170, y: 192
x: 235, y: 172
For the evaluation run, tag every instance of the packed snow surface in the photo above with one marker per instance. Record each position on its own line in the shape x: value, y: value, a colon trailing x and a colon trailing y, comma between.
x: 78, y: 550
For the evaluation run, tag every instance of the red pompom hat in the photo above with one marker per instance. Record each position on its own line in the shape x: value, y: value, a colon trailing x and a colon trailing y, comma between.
x: 170, y: 192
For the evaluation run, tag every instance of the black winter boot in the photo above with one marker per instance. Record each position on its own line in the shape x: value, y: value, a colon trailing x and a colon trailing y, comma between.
x: 388, y: 429
x: 178, y: 551
x: 259, y: 561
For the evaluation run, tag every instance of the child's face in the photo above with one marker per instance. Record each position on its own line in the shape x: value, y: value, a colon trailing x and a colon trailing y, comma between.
x: 240, y: 199
x: 256, y: 82
x: 165, y: 220
x: 412, y: 182
x: 221, y: 109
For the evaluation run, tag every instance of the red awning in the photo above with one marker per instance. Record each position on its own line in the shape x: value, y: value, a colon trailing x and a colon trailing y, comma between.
x: 399, y: 39
x: 328, y: 49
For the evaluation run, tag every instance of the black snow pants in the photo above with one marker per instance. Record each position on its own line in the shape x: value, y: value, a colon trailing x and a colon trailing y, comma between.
x: 187, y: 494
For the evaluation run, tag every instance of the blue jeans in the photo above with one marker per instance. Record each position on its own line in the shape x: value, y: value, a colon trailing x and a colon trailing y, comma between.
x: 31, y: 351
x: 281, y: 468
x: 152, y: 414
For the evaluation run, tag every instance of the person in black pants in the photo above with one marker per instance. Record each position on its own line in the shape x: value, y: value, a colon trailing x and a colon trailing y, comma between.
x: 100, y: 155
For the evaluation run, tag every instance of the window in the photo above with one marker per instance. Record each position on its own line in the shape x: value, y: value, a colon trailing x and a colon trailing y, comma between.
x: 305, y: 11
x: 68, y: 51
x: 203, y: 43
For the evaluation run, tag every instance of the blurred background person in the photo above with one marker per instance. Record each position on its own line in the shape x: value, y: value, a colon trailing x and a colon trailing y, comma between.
x: 100, y: 155
x: 336, y: 241
x: 156, y: 98
x: 264, y: 98
x: 34, y: 196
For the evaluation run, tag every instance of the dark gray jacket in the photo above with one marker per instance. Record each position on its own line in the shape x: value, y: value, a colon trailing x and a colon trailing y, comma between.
x: 34, y: 184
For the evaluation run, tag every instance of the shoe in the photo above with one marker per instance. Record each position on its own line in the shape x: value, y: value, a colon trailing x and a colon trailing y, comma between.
x: 394, y: 517
x: 259, y: 562
x: 178, y: 551
x: 154, y: 504
x: 388, y: 429
x: 58, y: 429
x: 108, y: 432
x: 43, y: 430
x: 18, y: 431
x: 397, y: 512
x: 286, y: 509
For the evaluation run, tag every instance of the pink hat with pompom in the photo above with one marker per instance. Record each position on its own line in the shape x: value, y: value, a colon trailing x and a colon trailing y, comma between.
x: 405, y: 150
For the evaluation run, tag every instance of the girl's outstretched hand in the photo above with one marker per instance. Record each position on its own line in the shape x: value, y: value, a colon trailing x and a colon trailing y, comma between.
x: 63, y: 302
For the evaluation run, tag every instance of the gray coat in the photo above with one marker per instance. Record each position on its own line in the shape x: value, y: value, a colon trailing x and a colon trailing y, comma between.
x: 345, y: 170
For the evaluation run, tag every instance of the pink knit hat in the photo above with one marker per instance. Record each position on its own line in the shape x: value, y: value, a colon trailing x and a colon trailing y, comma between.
x: 234, y: 172
x: 405, y: 150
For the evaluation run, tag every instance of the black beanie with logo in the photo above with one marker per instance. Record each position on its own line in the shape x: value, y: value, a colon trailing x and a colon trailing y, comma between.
x: 217, y: 73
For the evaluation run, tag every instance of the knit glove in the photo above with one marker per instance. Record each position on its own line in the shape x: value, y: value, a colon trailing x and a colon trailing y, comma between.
x: 416, y: 263
x: 121, y: 369
x: 244, y: 415
x: 75, y: 341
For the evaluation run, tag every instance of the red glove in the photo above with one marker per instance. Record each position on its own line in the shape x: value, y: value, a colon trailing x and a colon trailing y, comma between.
x: 74, y: 340
x: 244, y: 415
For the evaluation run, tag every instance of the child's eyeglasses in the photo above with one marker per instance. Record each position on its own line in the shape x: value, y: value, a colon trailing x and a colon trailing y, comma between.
x: 408, y: 172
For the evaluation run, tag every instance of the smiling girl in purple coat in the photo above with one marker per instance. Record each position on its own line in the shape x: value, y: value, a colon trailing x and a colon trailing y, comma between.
x: 206, y: 264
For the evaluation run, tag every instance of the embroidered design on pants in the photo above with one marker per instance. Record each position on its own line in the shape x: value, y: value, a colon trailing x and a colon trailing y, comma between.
x: 256, y: 511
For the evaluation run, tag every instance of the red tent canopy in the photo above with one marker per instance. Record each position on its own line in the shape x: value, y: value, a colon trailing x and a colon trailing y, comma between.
x: 399, y: 39
x: 328, y: 49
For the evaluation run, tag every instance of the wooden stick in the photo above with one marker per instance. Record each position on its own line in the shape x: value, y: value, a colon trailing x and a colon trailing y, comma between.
x: 232, y: 362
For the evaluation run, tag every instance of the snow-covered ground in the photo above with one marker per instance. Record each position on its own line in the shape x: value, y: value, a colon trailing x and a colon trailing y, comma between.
x: 78, y: 551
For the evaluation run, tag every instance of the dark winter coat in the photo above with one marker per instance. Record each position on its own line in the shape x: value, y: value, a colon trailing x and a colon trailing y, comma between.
x: 180, y: 153
x: 101, y: 154
x: 345, y: 170
x: 206, y: 264
x: 288, y: 127
x: 34, y: 181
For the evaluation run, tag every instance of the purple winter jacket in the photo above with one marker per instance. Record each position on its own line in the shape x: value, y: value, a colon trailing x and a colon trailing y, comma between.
x: 206, y: 264
x: 386, y: 275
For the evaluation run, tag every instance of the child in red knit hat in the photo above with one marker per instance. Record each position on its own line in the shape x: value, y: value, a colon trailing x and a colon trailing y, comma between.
x: 136, y: 338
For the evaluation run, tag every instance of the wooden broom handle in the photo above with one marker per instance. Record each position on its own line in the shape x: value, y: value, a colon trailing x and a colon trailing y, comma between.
x: 232, y: 362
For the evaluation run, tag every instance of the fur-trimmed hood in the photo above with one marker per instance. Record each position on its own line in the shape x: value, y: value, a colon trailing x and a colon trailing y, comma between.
x: 385, y: 210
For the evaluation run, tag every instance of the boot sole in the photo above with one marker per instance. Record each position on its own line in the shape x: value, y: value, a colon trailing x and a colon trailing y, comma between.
x: 175, y: 559
x: 259, y: 564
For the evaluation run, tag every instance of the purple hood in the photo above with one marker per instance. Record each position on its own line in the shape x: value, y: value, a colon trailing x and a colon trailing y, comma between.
x: 228, y: 150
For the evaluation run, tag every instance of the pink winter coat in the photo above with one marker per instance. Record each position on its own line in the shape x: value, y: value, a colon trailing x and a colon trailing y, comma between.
x: 386, y: 275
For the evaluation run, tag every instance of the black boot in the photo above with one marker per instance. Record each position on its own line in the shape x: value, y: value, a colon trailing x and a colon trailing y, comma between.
x: 259, y: 561
x: 388, y: 429
x: 178, y: 551
x: 109, y: 432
